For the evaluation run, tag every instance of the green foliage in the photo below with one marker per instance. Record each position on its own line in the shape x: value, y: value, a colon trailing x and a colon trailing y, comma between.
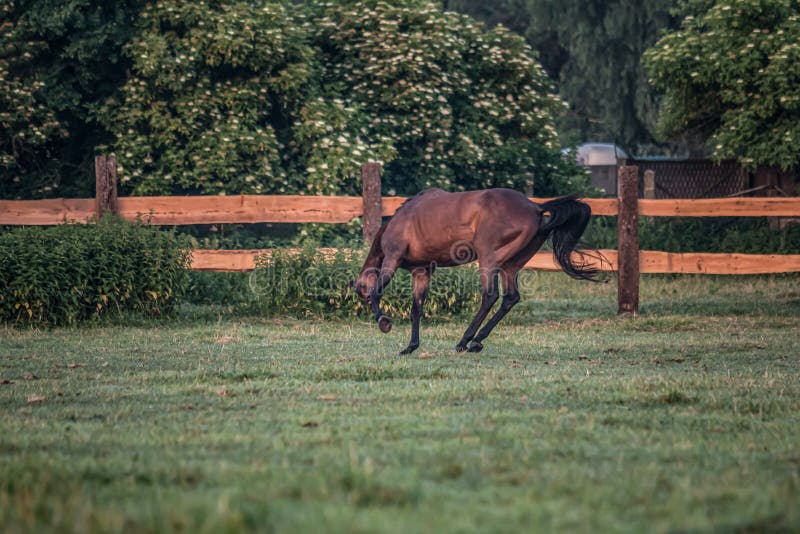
x: 286, y: 98
x: 436, y: 97
x: 270, y: 97
x: 751, y: 235
x: 219, y: 289
x: 71, y: 273
x: 509, y: 13
x: 732, y: 75
x: 213, y: 85
x: 58, y: 61
x: 592, y: 48
x: 311, y: 283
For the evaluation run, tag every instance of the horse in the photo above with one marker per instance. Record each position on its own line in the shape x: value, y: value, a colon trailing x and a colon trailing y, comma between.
x: 500, y: 228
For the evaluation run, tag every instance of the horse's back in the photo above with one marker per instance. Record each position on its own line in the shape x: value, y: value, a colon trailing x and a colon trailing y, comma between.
x: 444, y: 201
x: 425, y: 228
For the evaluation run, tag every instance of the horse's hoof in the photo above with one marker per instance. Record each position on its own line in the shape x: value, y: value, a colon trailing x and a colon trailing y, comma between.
x: 475, y: 347
x: 408, y: 350
x: 461, y: 347
x: 385, y: 324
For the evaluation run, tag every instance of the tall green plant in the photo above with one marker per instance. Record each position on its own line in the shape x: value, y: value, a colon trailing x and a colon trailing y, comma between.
x: 310, y: 283
x: 76, y: 272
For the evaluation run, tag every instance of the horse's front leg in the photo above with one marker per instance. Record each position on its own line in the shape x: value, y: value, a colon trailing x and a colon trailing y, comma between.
x: 387, y: 271
x: 421, y: 279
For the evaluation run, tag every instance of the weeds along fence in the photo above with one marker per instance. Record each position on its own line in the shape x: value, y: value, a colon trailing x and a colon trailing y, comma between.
x: 627, y: 260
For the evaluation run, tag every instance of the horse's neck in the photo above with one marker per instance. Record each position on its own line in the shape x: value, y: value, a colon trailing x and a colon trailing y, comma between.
x: 375, y: 256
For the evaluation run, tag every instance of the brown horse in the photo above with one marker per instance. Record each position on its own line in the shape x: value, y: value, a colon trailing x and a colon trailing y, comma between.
x: 500, y: 228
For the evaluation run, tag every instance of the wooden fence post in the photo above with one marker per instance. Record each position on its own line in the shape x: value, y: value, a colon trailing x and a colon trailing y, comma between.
x: 105, y: 172
x: 649, y: 183
x: 371, y: 193
x: 628, y: 240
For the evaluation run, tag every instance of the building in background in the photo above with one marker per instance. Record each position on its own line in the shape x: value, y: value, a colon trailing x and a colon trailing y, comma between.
x: 683, y: 177
x: 603, y: 159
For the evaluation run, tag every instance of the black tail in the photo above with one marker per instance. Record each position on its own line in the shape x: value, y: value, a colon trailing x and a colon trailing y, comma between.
x: 568, y: 220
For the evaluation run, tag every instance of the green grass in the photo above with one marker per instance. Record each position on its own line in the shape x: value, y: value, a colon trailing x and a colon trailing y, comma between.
x: 684, y: 418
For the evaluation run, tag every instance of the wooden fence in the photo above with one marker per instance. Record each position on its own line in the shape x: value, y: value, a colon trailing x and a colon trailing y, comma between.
x: 628, y: 260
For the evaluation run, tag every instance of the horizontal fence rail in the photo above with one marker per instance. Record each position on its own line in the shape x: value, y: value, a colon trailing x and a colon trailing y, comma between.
x: 650, y: 261
x: 721, y: 207
x: 46, y: 212
x: 241, y: 209
x: 628, y: 261
x: 219, y: 209
x: 245, y: 260
x: 333, y: 210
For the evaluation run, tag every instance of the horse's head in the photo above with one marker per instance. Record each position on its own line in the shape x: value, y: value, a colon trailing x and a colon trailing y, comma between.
x: 365, y: 283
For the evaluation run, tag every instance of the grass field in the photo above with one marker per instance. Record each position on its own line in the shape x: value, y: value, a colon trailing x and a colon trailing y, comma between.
x: 685, y: 418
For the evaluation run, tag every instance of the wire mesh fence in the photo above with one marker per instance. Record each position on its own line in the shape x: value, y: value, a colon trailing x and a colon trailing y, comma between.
x: 693, y: 178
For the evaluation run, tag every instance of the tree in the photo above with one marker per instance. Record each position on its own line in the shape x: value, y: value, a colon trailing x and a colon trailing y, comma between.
x: 57, y: 60
x: 213, y: 92
x: 593, y: 49
x: 271, y: 96
x: 505, y: 12
x: 731, y: 74
x: 242, y: 97
x: 441, y: 101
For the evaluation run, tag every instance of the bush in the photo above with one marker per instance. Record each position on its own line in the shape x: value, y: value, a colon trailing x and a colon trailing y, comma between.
x: 66, y: 274
x: 219, y: 289
x: 309, y: 283
x: 745, y: 235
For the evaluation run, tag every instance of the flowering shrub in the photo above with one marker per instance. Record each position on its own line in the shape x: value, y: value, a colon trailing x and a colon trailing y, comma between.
x: 437, y: 98
x: 732, y: 75
x: 276, y: 97
x: 213, y: 84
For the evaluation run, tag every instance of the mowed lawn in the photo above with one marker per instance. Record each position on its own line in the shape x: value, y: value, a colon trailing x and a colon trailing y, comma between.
x: 571, y: 419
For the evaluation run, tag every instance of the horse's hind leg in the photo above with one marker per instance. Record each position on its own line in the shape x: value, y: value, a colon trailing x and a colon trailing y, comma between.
x: 421, y: 278
x: 491, y: 292
x: 509, y: 277
x: 510, y: 298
